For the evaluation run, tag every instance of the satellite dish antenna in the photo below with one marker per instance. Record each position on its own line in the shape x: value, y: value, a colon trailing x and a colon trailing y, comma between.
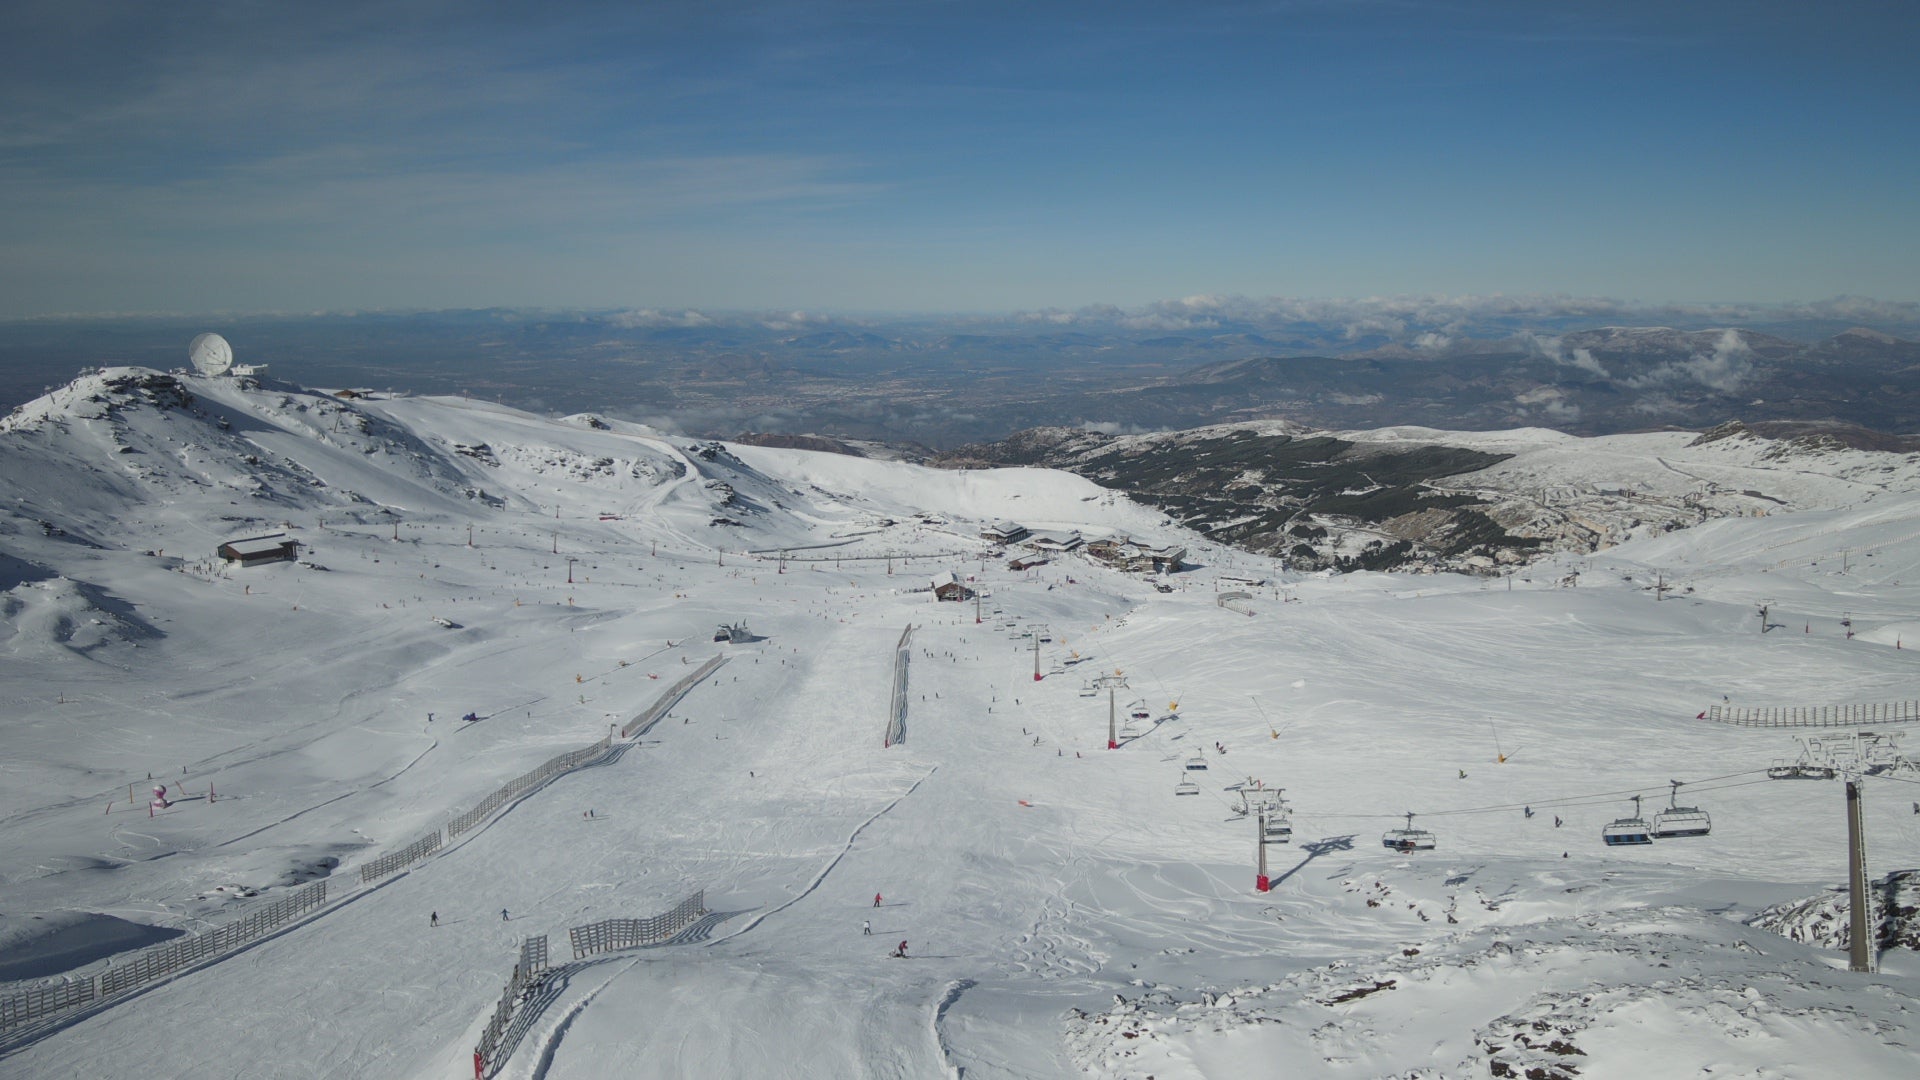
x: 211, y: 355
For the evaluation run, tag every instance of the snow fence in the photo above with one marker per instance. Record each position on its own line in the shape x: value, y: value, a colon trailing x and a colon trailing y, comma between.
x: 160, y: 961
x: 609, y: 935
x: 181, y: 953
x: 374, y: 869
x: 24, y: 1007
x: 897, y: 708
x: 640, y: 724
x: 528, y: 973
x: 499, y: 1036
x: 513, y: 789
x: 1236, y: 601
x: 1884, y: 712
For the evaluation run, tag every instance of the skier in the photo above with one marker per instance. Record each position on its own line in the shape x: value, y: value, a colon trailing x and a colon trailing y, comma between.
x: 866, y: 927
x: 876, y: 899
x: 901, y: 952
x: 1463, y: 774
x: 1556, y: 821
x: 1529, y: 810
x: 433, y: 919
x: 503, y: 914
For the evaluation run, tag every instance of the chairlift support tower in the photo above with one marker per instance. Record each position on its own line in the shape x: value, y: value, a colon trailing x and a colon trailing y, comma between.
x: 1261, y: 883
x: 1848, y: 757
x: 1114, y: 684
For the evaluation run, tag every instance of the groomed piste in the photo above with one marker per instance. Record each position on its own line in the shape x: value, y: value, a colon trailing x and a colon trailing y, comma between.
x: 1066, y: 912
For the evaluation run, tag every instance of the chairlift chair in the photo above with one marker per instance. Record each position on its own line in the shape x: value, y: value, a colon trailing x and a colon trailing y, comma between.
x: 1408, y: 839
x: 1139, y: 711
x: 1627, y: 831
x: 1197, y: 763
x: 1676, y: 821
x: 1186, y: 787
x: 1279, y: 825
x: 1782, y: 769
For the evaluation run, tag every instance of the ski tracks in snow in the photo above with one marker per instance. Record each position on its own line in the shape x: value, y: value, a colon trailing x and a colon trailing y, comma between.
x: 549, y: 1042
x: 828, y: 869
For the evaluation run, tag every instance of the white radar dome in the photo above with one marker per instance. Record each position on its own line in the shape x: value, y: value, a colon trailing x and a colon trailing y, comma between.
x: 211, y: 355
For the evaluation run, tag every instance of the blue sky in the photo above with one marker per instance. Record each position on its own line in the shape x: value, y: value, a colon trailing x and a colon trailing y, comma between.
x: 930, y: 157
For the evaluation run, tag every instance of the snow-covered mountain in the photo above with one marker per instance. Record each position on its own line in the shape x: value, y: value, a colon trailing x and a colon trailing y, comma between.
x: 1067, y: 912
x: 1418, y: 499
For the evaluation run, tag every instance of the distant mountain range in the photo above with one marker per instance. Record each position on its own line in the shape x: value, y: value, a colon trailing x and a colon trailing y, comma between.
x: 946, y: 382
x: 1588, y: 382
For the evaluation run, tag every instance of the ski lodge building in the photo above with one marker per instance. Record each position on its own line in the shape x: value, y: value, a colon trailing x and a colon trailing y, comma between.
x: 254, y: 550
x: 1055, y: 543
x: 948, y: 587
x: 1003, y: 532
x: 1124, y: 553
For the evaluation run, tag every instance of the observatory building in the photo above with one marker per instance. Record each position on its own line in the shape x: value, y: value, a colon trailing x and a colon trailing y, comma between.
x: 211, y: 355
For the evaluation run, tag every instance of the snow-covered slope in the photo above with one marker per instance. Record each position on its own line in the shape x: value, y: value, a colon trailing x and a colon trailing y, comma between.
x: 1067, y: 913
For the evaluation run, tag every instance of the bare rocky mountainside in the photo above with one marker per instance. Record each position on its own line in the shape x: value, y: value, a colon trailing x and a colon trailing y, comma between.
x: 1423, y: 499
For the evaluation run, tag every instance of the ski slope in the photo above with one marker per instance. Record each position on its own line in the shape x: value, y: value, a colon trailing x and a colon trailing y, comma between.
x: 1066, y: 913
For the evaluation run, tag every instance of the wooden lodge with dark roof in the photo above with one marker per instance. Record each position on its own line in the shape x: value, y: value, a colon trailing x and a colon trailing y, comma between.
x: 254, y: 550
x: 948, y: 587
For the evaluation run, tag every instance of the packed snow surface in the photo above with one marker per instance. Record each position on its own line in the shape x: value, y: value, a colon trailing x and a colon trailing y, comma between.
x: 1065, y: 912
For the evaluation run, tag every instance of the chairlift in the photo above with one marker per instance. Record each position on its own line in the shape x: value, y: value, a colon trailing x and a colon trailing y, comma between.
x: 1627, y: 831
x: 1139, y: 711
x: 1197, y: 763
x: 1250, y: 798
x: 1186, y: 787
x: 1782, y: 769
x: 1408, y: 839
x: 1676, y: 821
x: 1129, y: 730
x: 1279, y: 828
x: 1089, y: 690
